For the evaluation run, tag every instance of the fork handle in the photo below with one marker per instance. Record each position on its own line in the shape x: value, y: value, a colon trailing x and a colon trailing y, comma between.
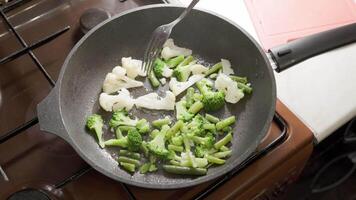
x: 185, y: 12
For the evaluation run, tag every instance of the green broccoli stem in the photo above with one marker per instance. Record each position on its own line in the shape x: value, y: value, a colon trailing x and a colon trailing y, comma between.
x: 118, y: 133
x: 129, y: 160
x: 224, y: 148
x: 144, y: 149
x: 129, y: 154
x: 175, y: 148
x: 222, y: 154
x: 99, y: 135
x: 210, y: 127
x: 211, y: 118
x: 178, y: 140
x: 174, y: 162
x: 154, y: 133
x: 153, y: 79
x: 225, y: 122
x: 160, y: 122
x: 125, y: 128
x: 245, y: 88
x: 128, y: 167
x: 227, y: 129
x: 190, y: 97
x: 186, y: 143
x: 174, y: 129
x: 213, y: 75
x: 152, y: 168
x: 186, y: 61
x: 239, y: 79
x: 117, y: 142
x: 144, y: 168
x: 214, y: 69
x: 196, y: 107
x: 184, y: 170
x: 215, y: 160
x: 223, y: 141
x: 173, y: 62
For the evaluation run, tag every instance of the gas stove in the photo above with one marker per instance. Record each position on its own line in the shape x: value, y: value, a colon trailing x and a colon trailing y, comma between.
x: 35, y: 38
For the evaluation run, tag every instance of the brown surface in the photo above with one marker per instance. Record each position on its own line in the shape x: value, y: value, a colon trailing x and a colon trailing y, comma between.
x: 35, y: 159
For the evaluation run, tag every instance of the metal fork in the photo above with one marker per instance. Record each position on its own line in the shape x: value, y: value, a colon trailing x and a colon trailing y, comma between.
x: 159, y: 37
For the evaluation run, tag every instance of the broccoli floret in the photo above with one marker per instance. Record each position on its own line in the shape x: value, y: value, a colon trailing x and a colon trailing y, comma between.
x: 157, y: 145
x: 95, y: 124
x: 134, y: 140
x: 182, y: 73
x: 207, y: 141
x: 201, y: 151
x: 177, y: 140
x: 212, y: 100
x: 182, y: 111
x: 143, y: 126
x: 190, y: 97
x: 173, y: 62
x: 121, y: 117
x: 158, y: 67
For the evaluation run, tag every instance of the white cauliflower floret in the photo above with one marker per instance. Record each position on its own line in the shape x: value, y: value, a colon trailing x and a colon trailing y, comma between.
x: 167, y: 72
x: 154, y: 102
x: 133, y: 67
x: 198, y: 69
x: 225, y: 84
x: 179, y: 87
x: 170, y: 50
x: 114, y: 83
x: 114, y: 102
x: 119, y: 71
x: 226, y: 67
x: 163, y: 81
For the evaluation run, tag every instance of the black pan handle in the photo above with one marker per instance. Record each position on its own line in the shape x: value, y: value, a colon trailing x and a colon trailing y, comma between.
x: 298, y: 50
x: 49, y: 116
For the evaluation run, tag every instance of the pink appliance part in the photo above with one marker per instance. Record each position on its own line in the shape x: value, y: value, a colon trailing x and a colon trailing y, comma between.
x: 280, y: 21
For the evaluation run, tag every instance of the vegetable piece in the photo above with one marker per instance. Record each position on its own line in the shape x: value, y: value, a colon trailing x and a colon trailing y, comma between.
x: 152, y: 168
x: 120, y: 117
x: 154, y: 102
x: 239, y: 79
x: 129, y: 160
x: 199, y: 162
x: 125, y: 128
x: 133, y: 67
x: 197, y: 97
x: 129, y: 154
x: 154, y: 133
x: 211, y: 118
x: 153, y: 80
x: 215, y: 160
x: 179, y: 87
x: 115, y: 102
x: 128, y: 167
x: 174, y: 162
x: 143, y: 126
x: 114, y: 83
x: 134, y: 140
x: 226, y: 67
x: 196, y: 107
x: 144, y: 168
x: 222, y: 154
x: 213, y: 75
x: 227, y: 129
x: 182, y: 111
x: 244, y: 87
x: 182, y: 73
x: 95, y: 124
x: 201, y: 151
x: 177, y: 140
x: 212, y: 100
x: 163, y: 81
x: 175, y: 148
x: 225, y: 122
x: 210, y: 127
x: 214, y: 69
x: 170, y: 50
x: 223, y: 141
x: 174, y: 129
x: 190, y: 97
x: 144, y: 148
x: 207, y: 141
x: 184, y: 170
x: 229, y: 87
x: 173, y: 62
x: 224, y: 148
x: 186, y: 61
x: 198, y: 69
x: 122, y: 142
x: 160, y: 122
x: 161, y: 70
x: 157, y: 145
x: 118, y: 133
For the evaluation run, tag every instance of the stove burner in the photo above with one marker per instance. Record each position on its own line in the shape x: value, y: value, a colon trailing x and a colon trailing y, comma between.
x: 92, y: 17
x: 29, y: 194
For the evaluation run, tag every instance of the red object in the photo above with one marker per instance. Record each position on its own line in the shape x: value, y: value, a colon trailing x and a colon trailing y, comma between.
x: 280, y: 21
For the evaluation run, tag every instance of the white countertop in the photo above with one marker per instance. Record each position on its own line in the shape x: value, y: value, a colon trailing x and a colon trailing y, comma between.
x: 321, y: 91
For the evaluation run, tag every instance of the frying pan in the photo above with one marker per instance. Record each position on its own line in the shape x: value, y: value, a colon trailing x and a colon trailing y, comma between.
x: 210, y: 36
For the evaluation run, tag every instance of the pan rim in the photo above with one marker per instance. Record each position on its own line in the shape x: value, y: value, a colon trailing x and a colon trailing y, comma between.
x: 198, y: 180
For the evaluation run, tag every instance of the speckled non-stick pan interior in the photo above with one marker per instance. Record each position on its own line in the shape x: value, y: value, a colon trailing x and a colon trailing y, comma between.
x: 210, y: 37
